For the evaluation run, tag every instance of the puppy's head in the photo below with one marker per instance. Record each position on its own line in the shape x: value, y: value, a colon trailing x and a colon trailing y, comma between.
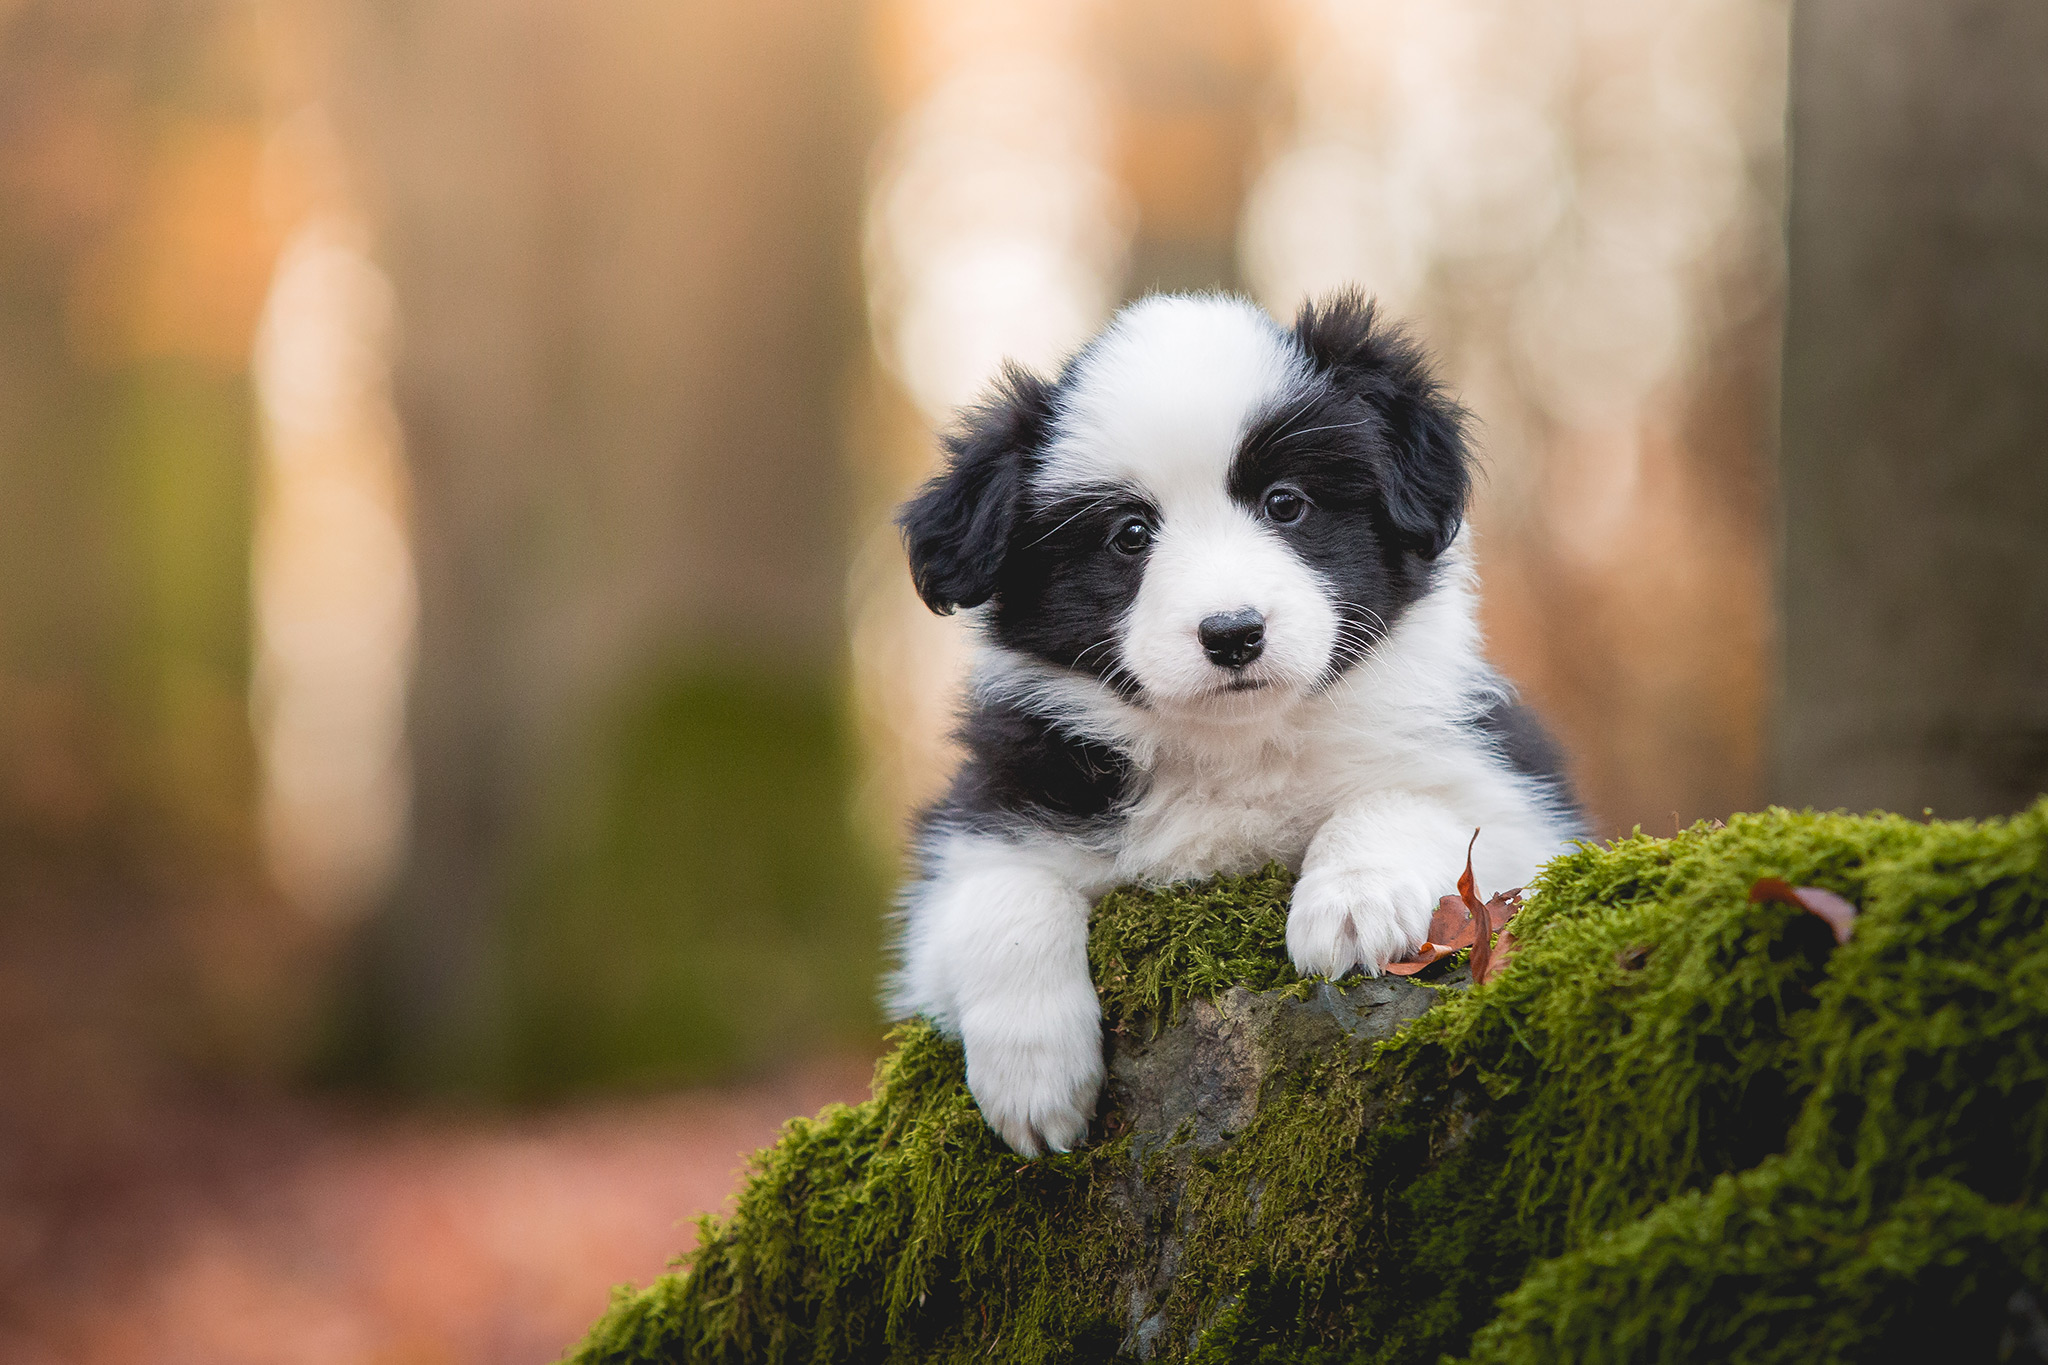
x: 1205, y: 509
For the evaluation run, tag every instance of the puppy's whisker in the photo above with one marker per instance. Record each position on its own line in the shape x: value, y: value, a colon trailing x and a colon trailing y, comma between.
x: 1078, y: 658
x: 1361, y: 642
x: 1338, y: 426
x: 1300, y: 411
x: 1378, y: 621
x: 1083, y: 511
x: 1358, y: 632
x: 1123, y: 682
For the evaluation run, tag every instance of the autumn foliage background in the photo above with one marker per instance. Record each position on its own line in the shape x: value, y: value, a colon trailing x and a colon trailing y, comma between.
x: 459, y: 693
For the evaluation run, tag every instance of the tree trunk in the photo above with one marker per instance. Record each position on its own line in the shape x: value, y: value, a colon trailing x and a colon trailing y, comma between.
x: 1915, y: 467
x: 621, y: 242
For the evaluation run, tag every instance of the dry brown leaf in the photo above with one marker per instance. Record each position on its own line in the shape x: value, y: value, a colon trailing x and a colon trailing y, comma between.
x: 1451, y: 925
x: 1500, y: 908
x: 1839, y: 914
x: 1450, y: 928
x: 1416, y: 961
x: 1464, y: 921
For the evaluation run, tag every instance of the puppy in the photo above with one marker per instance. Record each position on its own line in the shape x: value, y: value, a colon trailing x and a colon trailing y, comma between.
x: 1225, y: 616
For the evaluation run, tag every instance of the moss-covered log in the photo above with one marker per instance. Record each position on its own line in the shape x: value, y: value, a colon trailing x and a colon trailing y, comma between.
x: 1680, y: 1126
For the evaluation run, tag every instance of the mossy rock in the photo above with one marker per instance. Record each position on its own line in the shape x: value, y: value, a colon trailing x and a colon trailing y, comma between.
x: 1679, y: 1127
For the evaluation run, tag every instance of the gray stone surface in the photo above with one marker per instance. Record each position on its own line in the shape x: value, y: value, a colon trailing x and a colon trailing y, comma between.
x: 1188, y: 1091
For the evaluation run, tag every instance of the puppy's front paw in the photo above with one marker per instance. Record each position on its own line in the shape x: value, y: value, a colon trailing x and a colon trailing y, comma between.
x: 1354, y: 917
x: 1036, y: 1076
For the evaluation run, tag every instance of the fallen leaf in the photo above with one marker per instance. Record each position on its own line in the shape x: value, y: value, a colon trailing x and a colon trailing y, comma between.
x: 1467, y: 887
x: 1839, y: 914
x: 1458, y: 922
x: 1500, y: 908
x: 1416, y: 961
x: 1502, y: 946
x: 1487, y: 917
x: 1451, y: 925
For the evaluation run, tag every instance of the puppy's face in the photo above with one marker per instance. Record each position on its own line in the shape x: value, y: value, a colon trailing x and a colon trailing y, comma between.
x: 1205, y: 511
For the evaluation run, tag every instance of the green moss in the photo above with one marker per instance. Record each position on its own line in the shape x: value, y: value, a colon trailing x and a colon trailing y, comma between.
x: 1151, y: 951
x: 1679, y: 1127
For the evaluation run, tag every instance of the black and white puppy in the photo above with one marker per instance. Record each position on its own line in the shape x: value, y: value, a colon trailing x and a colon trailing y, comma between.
x: 1225, y: 611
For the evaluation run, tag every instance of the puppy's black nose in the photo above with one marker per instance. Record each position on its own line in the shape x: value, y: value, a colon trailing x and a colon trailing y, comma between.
x: 1233, y: 639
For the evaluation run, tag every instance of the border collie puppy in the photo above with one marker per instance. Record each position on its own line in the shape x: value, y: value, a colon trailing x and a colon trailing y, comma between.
x: 1225, y: 612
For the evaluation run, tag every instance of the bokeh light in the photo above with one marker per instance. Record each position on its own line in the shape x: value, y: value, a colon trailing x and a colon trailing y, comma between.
x: 335, y: 603
x: 995, y: 230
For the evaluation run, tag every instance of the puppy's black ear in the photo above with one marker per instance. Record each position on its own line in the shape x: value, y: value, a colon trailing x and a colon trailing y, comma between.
x: 1428, y: 470
x: 958, y: 527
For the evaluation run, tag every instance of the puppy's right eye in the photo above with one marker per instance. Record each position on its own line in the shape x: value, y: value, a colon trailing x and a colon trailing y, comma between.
x: 1132, y: 537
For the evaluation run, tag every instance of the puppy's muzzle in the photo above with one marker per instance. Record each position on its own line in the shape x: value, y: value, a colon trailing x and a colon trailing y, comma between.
x: 1233, y: 639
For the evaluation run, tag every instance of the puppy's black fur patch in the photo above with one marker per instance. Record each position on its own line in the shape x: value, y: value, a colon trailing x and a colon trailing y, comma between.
x: 1424, y: 468
x: 1023, y: 765
x: 1380, y: 452
x: 958, y: 528
x: 1064, y: 587
x: 1527, y: 746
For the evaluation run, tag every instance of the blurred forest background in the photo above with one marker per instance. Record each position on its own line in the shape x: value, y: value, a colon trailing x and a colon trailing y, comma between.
x: 456, y: 669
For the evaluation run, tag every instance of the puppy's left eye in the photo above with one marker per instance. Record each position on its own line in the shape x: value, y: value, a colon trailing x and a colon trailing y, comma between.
x: 1285, y: 506
x: 1132, y: 537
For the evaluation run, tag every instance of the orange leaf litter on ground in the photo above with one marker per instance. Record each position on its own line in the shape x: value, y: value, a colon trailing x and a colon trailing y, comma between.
x: 304, y: 1231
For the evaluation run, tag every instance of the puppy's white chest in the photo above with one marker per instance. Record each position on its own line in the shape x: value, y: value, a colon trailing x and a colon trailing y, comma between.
x: 1196, y: 821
